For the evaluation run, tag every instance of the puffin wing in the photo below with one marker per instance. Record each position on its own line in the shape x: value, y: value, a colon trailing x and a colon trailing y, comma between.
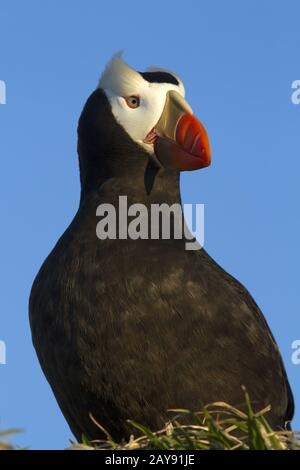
x: 244, y: 294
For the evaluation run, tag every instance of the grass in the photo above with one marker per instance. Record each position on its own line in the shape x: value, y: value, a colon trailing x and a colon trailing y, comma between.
x: 235, y: 430
x: 218, y: 426
x: 4, y: 445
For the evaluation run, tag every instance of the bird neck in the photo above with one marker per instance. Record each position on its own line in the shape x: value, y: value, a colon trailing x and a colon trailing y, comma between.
x: 147, y: 185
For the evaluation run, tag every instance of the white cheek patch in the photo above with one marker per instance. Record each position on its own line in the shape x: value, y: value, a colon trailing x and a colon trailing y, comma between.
x: 138, y: 122
x: 119, y: 80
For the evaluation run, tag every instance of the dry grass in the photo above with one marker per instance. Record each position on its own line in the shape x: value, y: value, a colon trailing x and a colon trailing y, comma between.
x: 218, y: 426
x: 236, y: 430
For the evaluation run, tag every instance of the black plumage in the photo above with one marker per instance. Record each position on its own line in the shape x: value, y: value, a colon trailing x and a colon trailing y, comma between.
x: 159, y: 77
x: 130, y: 328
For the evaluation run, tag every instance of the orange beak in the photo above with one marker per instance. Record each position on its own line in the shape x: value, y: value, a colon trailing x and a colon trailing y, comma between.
x: 182, y: 143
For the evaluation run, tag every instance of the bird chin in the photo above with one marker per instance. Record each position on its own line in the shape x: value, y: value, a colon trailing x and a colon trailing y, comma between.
x: 146, y: 146
x: 149, y: 147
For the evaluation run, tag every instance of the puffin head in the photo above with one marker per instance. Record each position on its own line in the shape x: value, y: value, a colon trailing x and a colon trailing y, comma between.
x: 151, y: 108
x: 137, y: 118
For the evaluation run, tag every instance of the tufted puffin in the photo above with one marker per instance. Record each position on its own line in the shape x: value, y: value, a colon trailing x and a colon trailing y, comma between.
x: 130, y: 328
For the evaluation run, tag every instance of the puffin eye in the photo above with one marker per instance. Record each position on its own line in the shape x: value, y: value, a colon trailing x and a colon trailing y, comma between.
x: 132, y: 101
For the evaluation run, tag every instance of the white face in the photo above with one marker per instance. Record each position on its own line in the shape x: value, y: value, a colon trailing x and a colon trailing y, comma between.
x: 136, y: 103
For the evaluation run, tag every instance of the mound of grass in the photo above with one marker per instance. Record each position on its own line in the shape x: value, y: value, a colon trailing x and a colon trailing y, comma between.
x: 218, y: 426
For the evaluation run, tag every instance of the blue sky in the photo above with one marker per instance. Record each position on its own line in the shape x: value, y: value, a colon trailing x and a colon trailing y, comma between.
x: 238, y: 61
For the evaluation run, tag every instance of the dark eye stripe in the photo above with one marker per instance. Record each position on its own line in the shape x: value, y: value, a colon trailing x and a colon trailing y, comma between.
x: 159, y: 77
